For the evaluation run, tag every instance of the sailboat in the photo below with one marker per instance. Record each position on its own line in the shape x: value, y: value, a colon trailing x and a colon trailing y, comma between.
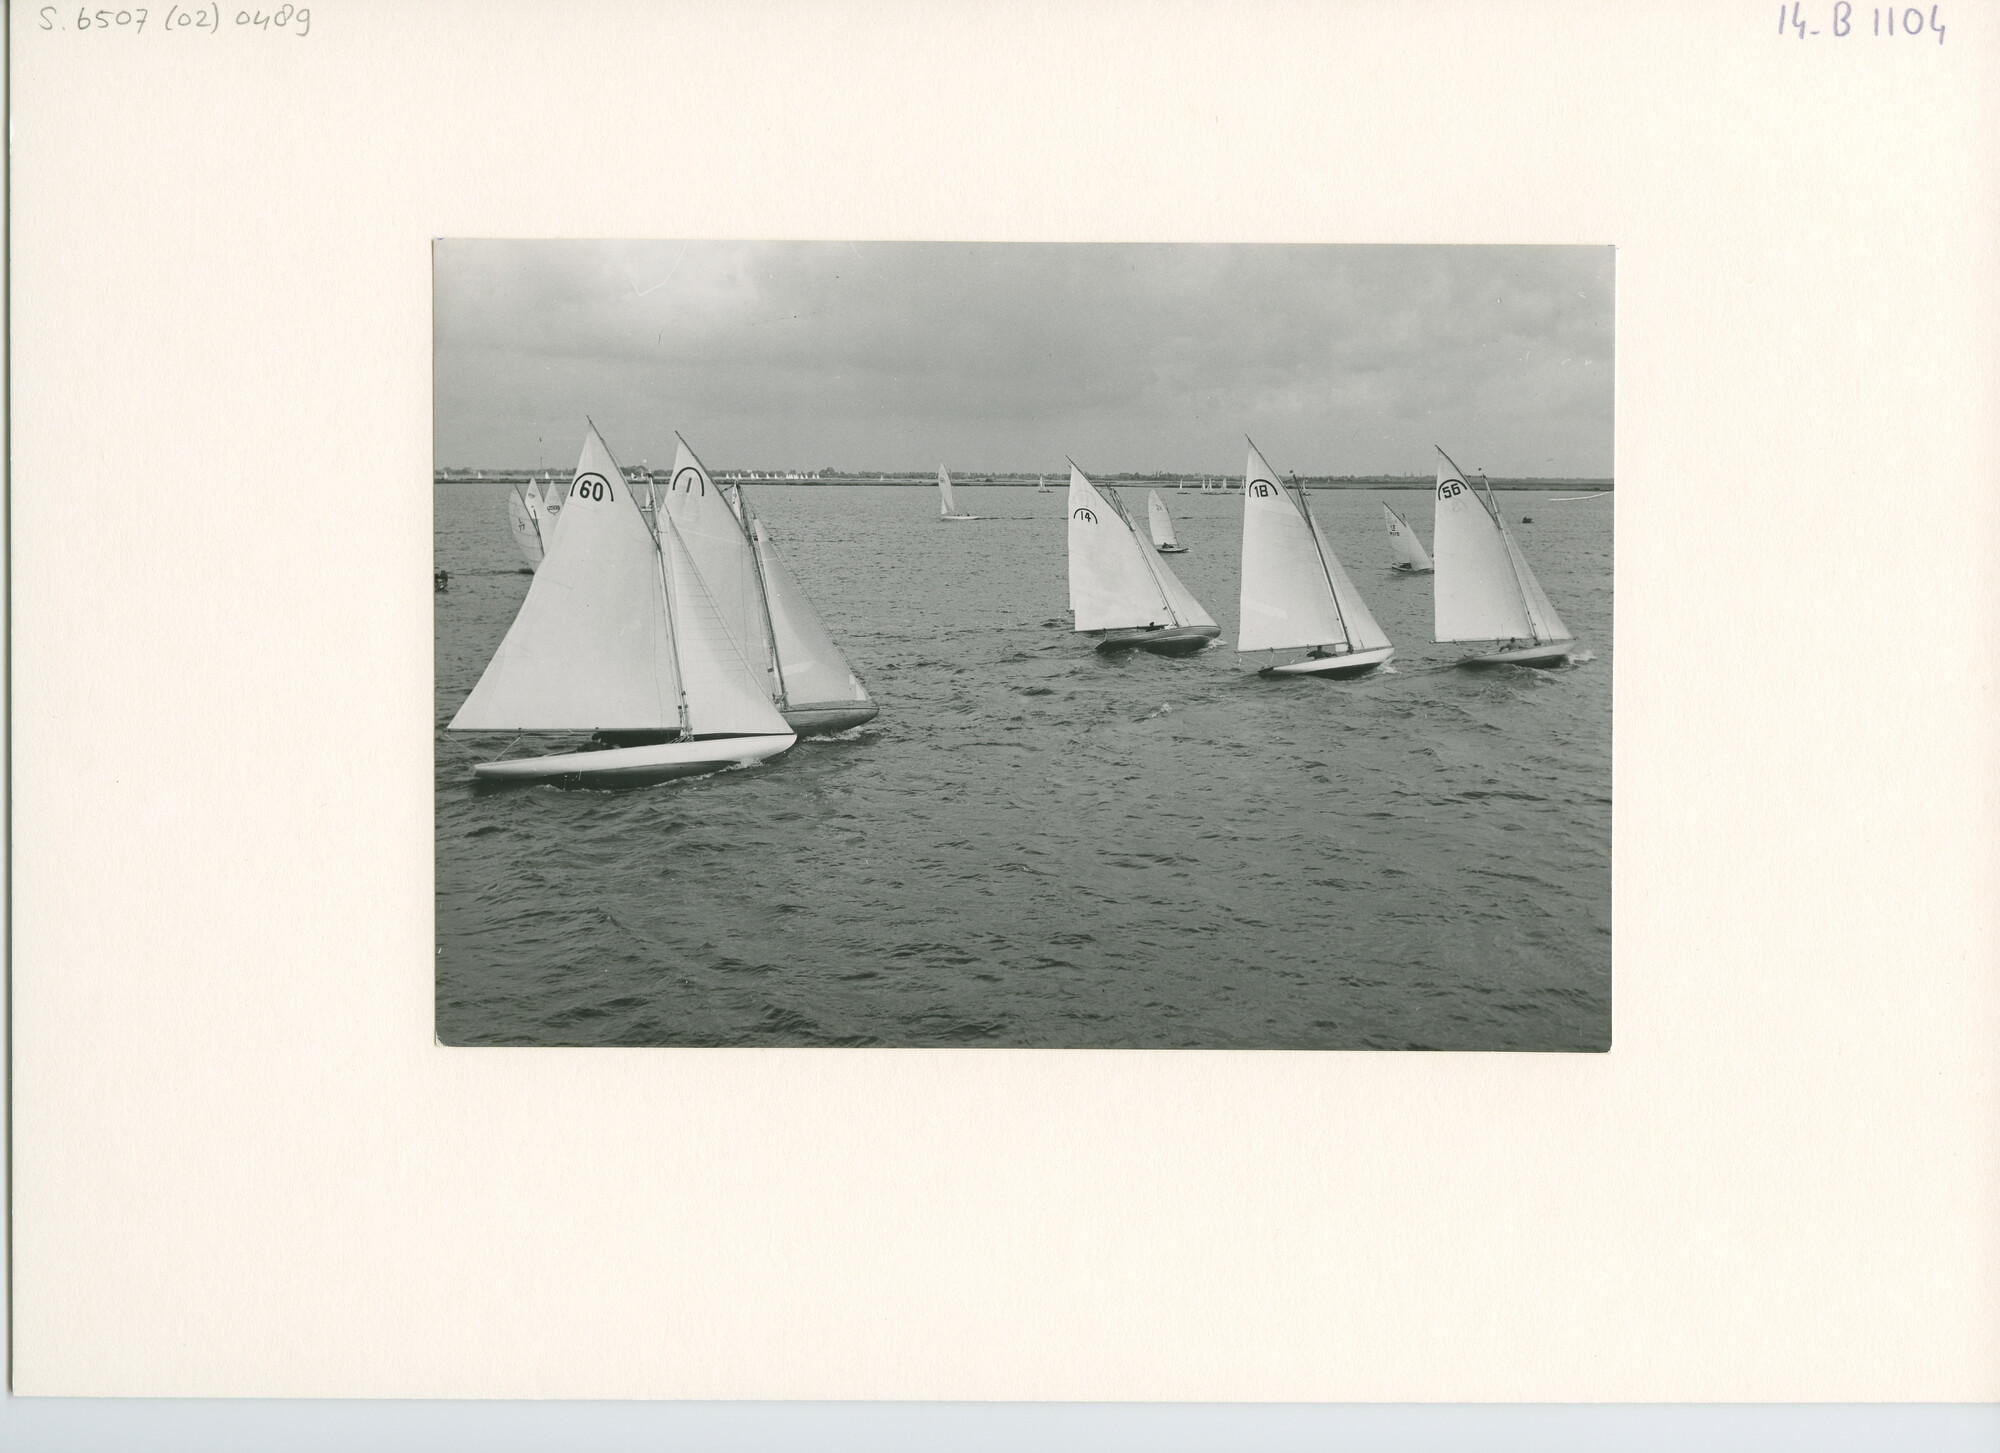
x: 1484, y: 589
x: 1119, y: 588
x: 523, y: 511
x: 1041, y: 484
x: 1295, y: 591
x: 1163, y: 525
x: 619, y: 637
x: 769, y: 618
x: 1405, y: 546
x: 946, y: 509
x: 550, y: 507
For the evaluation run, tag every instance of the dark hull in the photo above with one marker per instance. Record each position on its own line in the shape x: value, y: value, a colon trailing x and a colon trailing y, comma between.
x: 821, y: 718
x: 1161, y: 640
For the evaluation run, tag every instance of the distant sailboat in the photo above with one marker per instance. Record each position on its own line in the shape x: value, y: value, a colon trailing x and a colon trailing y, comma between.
x: 1163, y: 525
x: 619, y: 637
x: 1119, y: 588
x: 1041, y: 484
x: 768, y: 617
x: 1295, y: 591
x: 1405, y: 546
x: 946, y: 509
x: 522, y: 518
x: 1484, y: 589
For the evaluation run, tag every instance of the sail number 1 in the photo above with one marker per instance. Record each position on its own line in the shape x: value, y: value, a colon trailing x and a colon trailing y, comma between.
x: 591, y: 486
x: 1909, y: 20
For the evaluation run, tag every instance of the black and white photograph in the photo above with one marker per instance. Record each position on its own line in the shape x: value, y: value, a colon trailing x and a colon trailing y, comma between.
x: 1028, y: 645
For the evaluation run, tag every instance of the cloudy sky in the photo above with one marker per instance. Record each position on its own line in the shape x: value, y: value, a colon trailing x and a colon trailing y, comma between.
x: 886, y: 356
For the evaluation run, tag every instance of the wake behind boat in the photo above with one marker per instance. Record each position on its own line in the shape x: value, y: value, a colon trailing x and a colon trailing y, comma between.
x: 946, y: 509
x: 620, y: 639
x: 1119, y: 589
x: 1296, y: 594
x: 1484, y: 590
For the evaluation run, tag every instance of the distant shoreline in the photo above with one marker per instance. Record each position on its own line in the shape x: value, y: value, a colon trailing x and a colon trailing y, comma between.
x: 1166, y: 483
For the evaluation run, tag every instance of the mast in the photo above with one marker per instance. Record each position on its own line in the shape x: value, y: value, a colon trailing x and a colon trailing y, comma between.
x: 673, y: 632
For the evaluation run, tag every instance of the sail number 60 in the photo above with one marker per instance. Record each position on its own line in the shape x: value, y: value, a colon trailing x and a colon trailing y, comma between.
x: 591, y: 486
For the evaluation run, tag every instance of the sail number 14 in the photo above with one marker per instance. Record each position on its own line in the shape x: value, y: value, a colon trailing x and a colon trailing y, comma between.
x: 1908, y: 20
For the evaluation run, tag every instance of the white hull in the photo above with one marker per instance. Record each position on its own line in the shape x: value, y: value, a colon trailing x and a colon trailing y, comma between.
x: 1348, y: 663
x: 961, y: 517
x: 1171, y: 549
x: 632, y: 766
x: 1545, y: 653
x: 1413, y: 569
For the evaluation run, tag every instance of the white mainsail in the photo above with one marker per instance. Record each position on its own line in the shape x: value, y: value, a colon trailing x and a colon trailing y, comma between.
x: 1041, y: 484
x: 714, y: 535
x: 591, y: 647
x: 1288, y: 596
x: 1404, y: 544
x: 726, y: 696
x: 1116, y: 580
x: 1362, y: 631
x: 945, y: 506
x: 1161, y: 521
x: 1484, y: 588
x: 814, y: 670
x: 521, y: 519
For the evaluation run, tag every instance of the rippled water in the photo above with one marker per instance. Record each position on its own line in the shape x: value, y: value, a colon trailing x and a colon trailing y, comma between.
x: 1036, y: 845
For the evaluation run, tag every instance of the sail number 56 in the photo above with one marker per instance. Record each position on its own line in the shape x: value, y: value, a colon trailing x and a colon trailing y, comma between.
x: 1449, y: 488
x: 591, y: 486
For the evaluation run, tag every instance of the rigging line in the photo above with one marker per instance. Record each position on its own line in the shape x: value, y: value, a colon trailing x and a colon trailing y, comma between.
x: 1514, y: 559
x: 756, y: 563
x: 673, y: 632
x: 1147, y: 553
x: 1313, y: 530
x: 1493, y: 511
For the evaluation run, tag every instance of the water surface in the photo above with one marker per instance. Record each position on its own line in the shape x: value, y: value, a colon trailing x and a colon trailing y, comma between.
x: 1037, y: 845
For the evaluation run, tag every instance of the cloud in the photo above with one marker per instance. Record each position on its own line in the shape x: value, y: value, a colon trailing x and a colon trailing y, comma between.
x: 1008, y: 356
